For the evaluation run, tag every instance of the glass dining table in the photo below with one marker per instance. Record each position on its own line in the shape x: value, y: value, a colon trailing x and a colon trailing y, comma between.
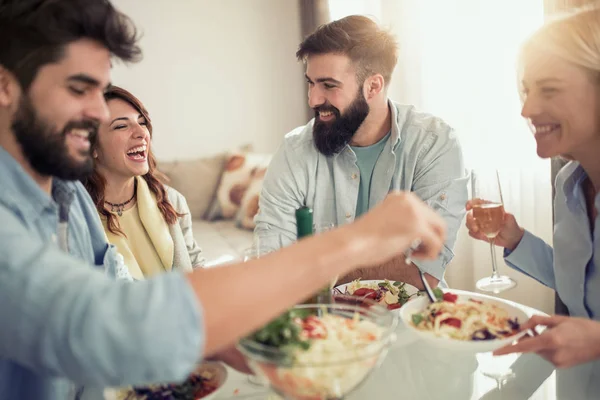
x: 415, y: 370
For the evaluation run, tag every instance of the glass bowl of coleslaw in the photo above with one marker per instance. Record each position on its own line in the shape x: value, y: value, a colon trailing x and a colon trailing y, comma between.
x: 464, y: 321
x: 321, y: 351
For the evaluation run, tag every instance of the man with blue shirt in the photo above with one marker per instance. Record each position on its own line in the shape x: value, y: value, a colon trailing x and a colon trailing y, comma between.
x: 361, y: 145
x: 66, y: 323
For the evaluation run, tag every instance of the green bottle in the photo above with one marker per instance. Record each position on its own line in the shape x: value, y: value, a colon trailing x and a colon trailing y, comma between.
x: 304, y: 228
x: 304, y: 222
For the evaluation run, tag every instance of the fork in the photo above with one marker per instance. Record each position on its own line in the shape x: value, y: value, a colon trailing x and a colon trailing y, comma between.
x: 408, y: 259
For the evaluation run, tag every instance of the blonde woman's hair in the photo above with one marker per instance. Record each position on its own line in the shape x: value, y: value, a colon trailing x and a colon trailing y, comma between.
x: 574, y: 37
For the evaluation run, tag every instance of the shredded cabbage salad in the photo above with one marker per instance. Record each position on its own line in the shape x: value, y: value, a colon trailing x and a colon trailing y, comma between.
x: 465, y: 320
x: 317, y: 371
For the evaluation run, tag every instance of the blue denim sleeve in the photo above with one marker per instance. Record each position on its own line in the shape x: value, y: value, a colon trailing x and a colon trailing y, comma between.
x: 534, y: 258
x: 61, y: 317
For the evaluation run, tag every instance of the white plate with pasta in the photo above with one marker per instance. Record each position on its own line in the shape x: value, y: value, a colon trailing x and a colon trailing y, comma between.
x: 464, y: 321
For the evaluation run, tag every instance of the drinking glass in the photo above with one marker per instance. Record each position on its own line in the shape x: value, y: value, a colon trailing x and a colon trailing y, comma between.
x: 253, y: 253
x: 322, y: 227
x: 268, y: 242
x: 488, y: 212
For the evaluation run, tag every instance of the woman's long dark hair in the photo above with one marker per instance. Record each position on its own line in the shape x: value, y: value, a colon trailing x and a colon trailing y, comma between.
x: 96, y: 183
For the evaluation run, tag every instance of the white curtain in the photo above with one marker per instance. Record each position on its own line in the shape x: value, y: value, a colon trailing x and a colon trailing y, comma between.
x: 458, y: 61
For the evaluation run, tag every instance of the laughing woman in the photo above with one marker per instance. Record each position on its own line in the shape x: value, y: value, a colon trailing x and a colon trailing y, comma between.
x: 561, y: 100
x: 148, y: 222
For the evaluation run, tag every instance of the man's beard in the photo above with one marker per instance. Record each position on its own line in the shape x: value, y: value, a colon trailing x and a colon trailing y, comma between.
x: 46, y: 149
x: 331, y: 137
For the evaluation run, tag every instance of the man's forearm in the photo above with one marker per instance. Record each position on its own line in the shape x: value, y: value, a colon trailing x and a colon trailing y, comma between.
x: 281, y: 279
x: 270, y: 284
x: 394, y: 270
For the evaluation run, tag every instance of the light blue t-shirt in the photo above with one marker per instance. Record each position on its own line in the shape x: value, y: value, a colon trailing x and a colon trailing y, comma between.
x: 366, y: 158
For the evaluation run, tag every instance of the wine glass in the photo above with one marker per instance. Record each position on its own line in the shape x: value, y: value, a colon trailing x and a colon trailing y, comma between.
x: 488, y: 212
x: 497, y: 368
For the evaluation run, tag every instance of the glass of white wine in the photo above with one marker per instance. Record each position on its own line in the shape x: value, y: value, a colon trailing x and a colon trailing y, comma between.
x: 488, y: 212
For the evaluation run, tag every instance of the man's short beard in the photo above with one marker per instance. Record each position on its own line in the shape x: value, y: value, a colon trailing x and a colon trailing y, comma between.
x: 45, y: 148
x: 331, y: 137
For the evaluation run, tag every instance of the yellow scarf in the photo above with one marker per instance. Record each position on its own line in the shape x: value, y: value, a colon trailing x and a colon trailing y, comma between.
x: 155, y: 226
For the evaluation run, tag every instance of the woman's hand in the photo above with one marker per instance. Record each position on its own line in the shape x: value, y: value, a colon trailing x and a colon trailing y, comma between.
x: 510, y: 234
x: 567, y: 341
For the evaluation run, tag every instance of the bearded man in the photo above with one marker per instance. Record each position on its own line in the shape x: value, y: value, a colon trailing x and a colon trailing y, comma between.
x: 359, y: 147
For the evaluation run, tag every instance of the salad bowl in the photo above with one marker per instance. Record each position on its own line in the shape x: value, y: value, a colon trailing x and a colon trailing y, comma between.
x: 321, y: 351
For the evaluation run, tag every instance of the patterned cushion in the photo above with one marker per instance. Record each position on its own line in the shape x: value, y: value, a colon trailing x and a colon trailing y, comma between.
x: 196, y: 180
x: 249, y: 205
x: 235, y: 180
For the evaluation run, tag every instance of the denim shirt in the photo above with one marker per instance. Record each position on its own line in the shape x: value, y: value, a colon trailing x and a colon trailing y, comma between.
x: 570, y: 268
x: 422, y: 155
x: 65, y: 320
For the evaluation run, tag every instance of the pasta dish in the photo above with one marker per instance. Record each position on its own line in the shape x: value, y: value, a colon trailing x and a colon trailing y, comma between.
x: 465, y: 320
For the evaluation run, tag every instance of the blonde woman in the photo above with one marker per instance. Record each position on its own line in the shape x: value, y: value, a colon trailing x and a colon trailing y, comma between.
x: 561, y: 100
x: 148, y: 222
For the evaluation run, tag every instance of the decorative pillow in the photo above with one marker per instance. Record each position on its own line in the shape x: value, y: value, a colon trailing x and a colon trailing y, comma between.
x: 197, y: 180
x: 249, y: 206
x: 236, y: 178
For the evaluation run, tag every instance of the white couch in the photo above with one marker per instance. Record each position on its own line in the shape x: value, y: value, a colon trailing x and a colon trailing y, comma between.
x: 220, y: 240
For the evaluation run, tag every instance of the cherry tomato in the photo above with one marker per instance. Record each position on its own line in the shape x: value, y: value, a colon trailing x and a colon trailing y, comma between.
x: 314, y: 328
x: 450, y: 297
x: 455, y: 322
x: 366, y: 293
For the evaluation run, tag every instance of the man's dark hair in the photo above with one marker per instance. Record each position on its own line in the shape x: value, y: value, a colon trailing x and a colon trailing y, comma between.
x: 35, y: 32
x: 371, y: 49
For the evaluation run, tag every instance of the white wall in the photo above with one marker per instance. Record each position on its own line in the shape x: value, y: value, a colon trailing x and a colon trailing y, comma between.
x: 216, y: 74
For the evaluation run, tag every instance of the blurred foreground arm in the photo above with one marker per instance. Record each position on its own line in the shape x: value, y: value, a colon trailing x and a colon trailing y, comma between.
x: 272, y: 284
